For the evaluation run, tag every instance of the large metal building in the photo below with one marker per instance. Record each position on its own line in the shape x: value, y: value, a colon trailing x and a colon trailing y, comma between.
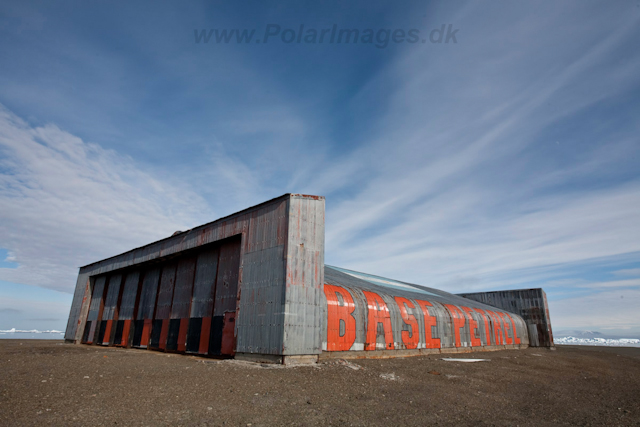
x: 254, y: 286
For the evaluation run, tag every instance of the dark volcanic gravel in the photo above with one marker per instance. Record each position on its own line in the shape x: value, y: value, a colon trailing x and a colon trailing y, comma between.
x: 51, y: 383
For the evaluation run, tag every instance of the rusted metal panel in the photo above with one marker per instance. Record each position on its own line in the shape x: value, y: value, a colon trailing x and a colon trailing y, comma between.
x: 227, y: 278
x: 160, y: 326
x: 222, y: 332
x: 129, y: 296
x: 181, y: 304
x: 146, y: 307
x: 126, y: 310
x: 370, y: 313
x: 531, y: 306
x: 165, y: 293
x: 263, y: 230
x: 95, y: 310
x: 202, y: 302
x: 304, y: 306
x: 228, y: 342
x: 260, y: 308
x: 110, y: 311
x: 113, y: 294
x: 204, y: 284
x: 183, y: 288
x: 79, y: 308
x: 260, y: 321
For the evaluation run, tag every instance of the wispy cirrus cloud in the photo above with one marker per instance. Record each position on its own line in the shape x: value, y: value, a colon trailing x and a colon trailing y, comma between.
x: 472, y: 182
x: 67, y: 202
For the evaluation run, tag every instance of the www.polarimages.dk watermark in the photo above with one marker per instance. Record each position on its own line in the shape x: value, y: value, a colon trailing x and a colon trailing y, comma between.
x: 380, y: 38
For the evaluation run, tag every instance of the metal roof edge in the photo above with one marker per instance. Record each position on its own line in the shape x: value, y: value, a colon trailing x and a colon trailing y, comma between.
x: 502, y: 290
x: 224, y: 218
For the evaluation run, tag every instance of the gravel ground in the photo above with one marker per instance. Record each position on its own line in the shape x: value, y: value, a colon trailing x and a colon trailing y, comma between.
x: 52, y: 383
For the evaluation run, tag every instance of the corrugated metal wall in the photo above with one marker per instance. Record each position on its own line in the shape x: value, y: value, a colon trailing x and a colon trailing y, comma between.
x: 260, y: 242
x: 160, y: 324
x: 304, y: 308
x: 96, y: 307
x: 146, y: 308
x: 367, y: 313
x: 110, y: 311
x: 530, y: 304
x: 202, y: 302
x: 192, y: 290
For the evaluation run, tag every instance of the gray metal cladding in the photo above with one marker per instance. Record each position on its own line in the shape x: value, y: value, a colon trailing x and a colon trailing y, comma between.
x: 383, y: 314
x: 262, y: 227
x: 261, y: 316
x: 530, y: 304
x: 129, y: 296
x: 304, y: 307
x: 79, y: 307
x: 91, y: 327
x: 227, y: 278
x: 204, y: 284
x: 183, y: 289
x: 147, y: 304
x: 113, y: 294
x: 97, y: 298
x: 165, y: 292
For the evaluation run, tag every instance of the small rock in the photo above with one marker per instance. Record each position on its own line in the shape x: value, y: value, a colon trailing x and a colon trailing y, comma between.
x: 392, y: 377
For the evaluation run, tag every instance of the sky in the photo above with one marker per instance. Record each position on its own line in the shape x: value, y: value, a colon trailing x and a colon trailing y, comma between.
x: 497, y: 149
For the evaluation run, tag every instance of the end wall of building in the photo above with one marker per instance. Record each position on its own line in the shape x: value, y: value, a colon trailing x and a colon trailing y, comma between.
x: 530, y: 304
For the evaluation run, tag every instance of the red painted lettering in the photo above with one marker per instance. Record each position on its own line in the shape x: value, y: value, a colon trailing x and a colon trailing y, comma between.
x: 486, y: 324
x: 515, y: 335
x: 458, y: 321
x: 497, y: 329
x: 429, y: 322
x: 337, y: 313
x: 378, y: 312
x: 409, y: 339
x: 507, y: 338
x: 473, y: 328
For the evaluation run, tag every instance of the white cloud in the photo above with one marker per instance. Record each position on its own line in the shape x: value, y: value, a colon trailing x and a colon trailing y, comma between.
x: 628, y: 272
x: 66, y: 203
x: 631, y: 283
x: 605, y: 310
x: 464, y: 192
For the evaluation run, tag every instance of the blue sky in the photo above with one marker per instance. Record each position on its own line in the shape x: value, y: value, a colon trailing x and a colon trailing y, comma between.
x: 508, y: 159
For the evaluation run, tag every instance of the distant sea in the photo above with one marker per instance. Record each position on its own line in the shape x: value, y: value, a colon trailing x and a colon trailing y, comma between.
x: 34, y: 334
